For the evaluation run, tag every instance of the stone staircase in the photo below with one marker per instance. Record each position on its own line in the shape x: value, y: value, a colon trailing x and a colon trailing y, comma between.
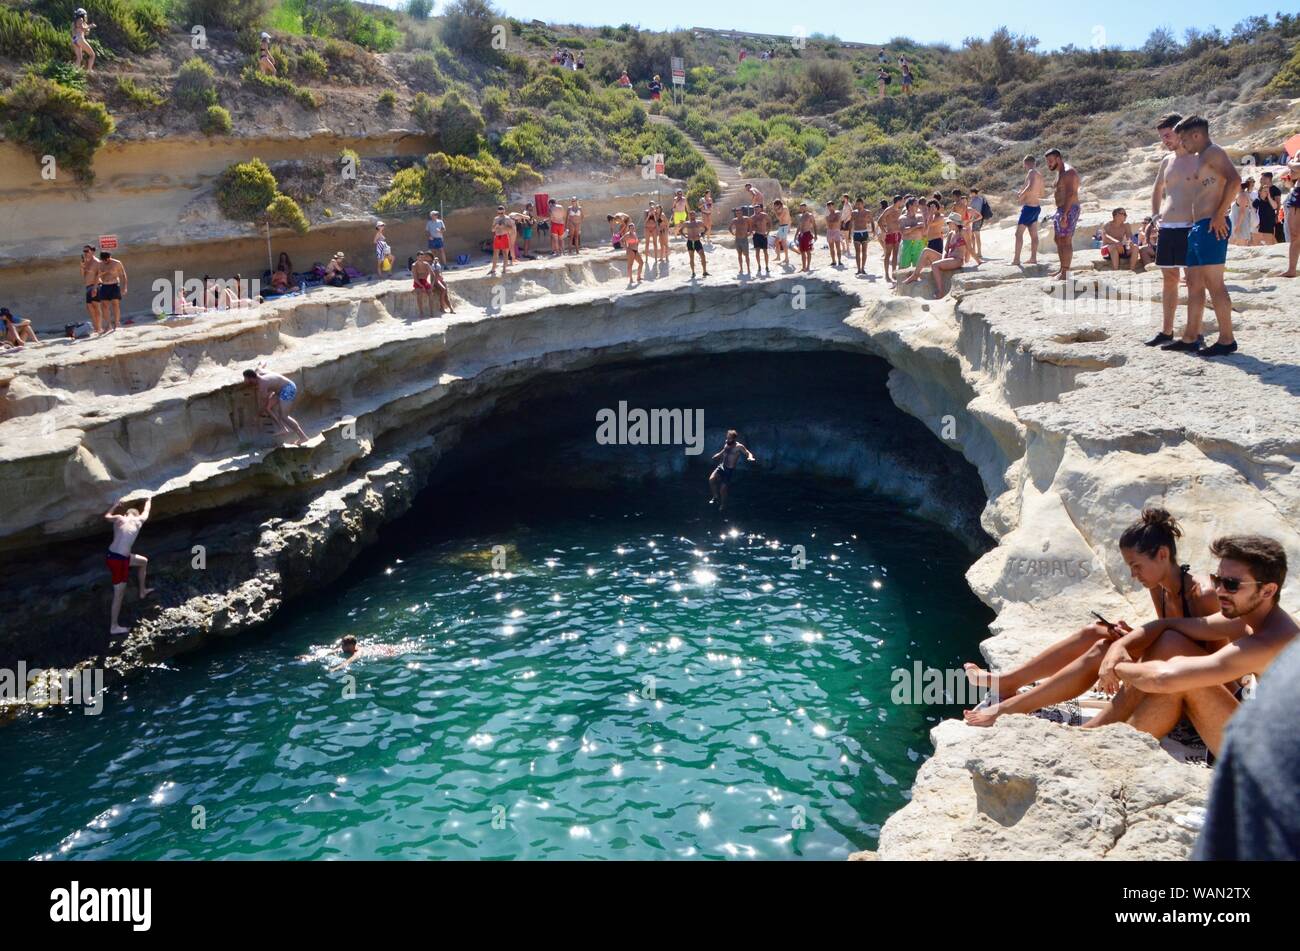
x: 731, y: 190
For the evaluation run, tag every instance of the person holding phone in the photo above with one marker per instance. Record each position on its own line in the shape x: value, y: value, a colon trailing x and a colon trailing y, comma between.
x: 1071, y: 666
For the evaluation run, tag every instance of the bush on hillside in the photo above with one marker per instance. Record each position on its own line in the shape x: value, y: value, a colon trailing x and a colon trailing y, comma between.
x: 1082, y: 91
x: 1286, y: 82
x: 226, y: 14
x: 826, y: 84
x: 460, y: 126
x: 48, y: 118
x: 253, y: 78
x: 527, y: 142
x: 29, y: 38
x: 215, y: 121
x: 468, y: 27
x: 142, y: 97
x: 195, y: 87
x: 457, y: 181
x: 1004, y: 57
x: 312, y: 65
x: 284, y: 212
x: 495, y: 104
x: 345, y: 20
x: 419, y: 9
x: 245, y: 190
x: 387, y: 100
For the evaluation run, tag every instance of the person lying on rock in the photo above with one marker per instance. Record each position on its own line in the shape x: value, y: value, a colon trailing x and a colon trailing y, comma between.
x: 1202, y: 668
x: 1071, y: 666
x: 274, y: 393
x: 120, y: 559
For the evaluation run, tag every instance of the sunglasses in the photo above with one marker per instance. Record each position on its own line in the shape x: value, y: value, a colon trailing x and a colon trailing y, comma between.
x: 1230, y: 585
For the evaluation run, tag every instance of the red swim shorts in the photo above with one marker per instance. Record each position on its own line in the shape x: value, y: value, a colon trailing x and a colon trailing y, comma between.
x: 557, y: 228
x: 119, y: 567
x: 423, y: 284
x: 805, y: 240
x: 501, y: 242
x: 893, y: 237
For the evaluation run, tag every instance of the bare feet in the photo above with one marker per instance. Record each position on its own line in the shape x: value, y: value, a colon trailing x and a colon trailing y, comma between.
x: 118, y: 631
x: 986, y: 716
x: 1285, y: 274
x: 979, y: 677
x: 145, y: 592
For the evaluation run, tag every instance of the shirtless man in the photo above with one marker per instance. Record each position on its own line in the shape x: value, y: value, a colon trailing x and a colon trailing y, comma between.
x: 111, y: 275
x: 782, y: 213
x: 90, y: 278
x: 739, y: 229
x: 274, y: 393
x: 1170, y: 668
x: 557, y: 216
x: 502, y: 227
x: 1030, y: 197
x: 1214, y: 187
x: 755, y: 196
x: 761, y: 224
x: 860, y: 224
x: 1171, y: 206
x: 573, y: 225
x: 422, y: 283
x: 887, y: 222
x: 1117, y: 238
x: 695, y: 231
x: 807, y: 235
x: 1067, y: 210
x: 914, y: 227
x: 834, y: 234
x: 727, y: 458
x: 126, y: 528
x: 679, y: 213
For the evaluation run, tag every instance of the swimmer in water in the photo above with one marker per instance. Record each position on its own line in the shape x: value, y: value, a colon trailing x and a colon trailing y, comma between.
x: 727, y: 457
x: 351, y: 650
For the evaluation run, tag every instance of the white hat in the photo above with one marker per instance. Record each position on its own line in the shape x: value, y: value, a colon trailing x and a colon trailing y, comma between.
x: 265, y: 35
x: 378, y: 225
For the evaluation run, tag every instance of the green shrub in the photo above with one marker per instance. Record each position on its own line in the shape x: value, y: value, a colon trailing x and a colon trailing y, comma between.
x: 1286, y: 82
x: 245, y: 190
x: 216, y: 121
x: 258, y: 81
x: 388, y: 100
x: 142, y: 97
x: 527, y: 142
x: 284, y: 212
x: 419, y: 9
x: 227, y: 14
x: 62, y: 72
x: 460, y: 126
x: 48, y: 118
x: 467, y: 26
x: 425, y: 113
x: 495, y: 103
x: 422, y: 71
x: 345, y: 20
x: 195, y: 87
x: 312, y: 65
x: 29, y: 38
x: 457, y: 181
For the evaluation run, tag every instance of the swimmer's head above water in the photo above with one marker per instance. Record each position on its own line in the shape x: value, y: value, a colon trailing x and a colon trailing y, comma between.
x: 349, y: 644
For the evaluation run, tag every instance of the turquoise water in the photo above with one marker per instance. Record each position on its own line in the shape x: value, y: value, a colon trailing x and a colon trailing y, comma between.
x: 644, y: 679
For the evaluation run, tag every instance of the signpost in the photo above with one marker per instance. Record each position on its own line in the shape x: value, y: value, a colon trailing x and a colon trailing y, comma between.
x: 679, y: 78
x: 108, y: 242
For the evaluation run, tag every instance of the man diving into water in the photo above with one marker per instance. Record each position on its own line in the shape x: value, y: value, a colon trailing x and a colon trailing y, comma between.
x: 726, y: 458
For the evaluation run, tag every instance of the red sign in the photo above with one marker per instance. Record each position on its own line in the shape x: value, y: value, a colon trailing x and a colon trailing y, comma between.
x: 659, y: 163
x: 108, y: 242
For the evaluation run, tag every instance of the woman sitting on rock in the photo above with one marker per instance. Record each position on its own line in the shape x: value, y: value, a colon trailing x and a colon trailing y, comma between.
x: 1070, y: 667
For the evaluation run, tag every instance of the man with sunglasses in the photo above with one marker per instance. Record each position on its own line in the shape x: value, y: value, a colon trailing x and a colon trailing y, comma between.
x: 1197, y: 667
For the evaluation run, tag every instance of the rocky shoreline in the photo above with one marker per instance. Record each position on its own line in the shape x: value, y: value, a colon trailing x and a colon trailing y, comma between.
x: 1070, y: 423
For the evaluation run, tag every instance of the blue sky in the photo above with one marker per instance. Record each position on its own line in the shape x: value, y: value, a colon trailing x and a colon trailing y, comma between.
x: 874, y: 22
